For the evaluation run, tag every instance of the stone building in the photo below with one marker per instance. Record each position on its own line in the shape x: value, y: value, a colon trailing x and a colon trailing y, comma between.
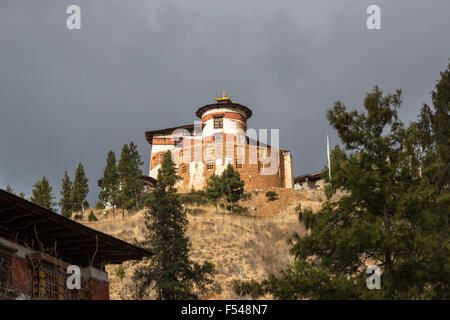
x: 221, y: 138
x: 37, y: 247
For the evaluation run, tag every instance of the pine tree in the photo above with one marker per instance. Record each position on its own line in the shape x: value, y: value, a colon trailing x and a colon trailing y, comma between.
x: 66, y: 201
x: 86, y: 205
x: 110, y: 182
x: 10, y: 189
x: 232, y: 186
x: 42, y: 194
x: 22, y: 195
x: 80, y: 189
x: 129, y: 175
x: 171, y: 273
x: 393, y: 214
x: 214, y: 190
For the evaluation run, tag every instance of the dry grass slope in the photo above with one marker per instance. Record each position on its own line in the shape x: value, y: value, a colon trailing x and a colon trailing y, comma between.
x: 241, y: 246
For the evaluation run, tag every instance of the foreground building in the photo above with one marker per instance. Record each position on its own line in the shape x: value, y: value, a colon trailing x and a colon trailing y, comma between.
x: 220, y: 139
x: 37, y: 246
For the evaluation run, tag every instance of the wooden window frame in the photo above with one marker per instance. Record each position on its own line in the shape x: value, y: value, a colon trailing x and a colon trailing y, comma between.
x: 218, y: 122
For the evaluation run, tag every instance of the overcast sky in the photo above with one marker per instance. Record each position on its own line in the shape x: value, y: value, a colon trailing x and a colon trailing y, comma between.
x: 136, y: 65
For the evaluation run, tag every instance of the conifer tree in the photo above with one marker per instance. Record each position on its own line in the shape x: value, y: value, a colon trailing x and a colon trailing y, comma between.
x: 10, y: 189
x: 110, y: 182
x: 86, y: 205
x: 80, y: 189
x: 42, y: 194
x: 171, y: 273
x: 232, y: 185
x: 214, y: 190
x: 129, y: 175
x: 393, y: 214
x: 66, y: 201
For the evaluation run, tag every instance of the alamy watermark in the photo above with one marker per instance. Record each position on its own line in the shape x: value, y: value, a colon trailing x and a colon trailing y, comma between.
x: 374, y: 281
x: 374, y: 20
x: 74, y: 280
x: 223, y: 146
x: 73, y: 21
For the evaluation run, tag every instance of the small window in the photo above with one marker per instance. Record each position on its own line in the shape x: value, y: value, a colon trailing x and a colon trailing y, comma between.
x: 218, y: 123
x: 260, y: 166
x: 184, y: 168
x: 210, y: 165
x: 239, y: 164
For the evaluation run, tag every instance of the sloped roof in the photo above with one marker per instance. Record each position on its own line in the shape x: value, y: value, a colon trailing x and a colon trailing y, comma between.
x: 248, y: 113
x: 167, y: 131
x: 28, y: 224
x: 310, y: 177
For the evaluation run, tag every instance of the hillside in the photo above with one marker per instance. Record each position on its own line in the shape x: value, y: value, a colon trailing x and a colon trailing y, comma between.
x: 241, y: 246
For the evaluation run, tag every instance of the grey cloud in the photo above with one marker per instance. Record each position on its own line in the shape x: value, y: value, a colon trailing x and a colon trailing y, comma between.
x: 70, y: 96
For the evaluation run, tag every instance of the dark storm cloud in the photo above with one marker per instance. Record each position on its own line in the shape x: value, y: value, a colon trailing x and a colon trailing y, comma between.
x: 70, y: 96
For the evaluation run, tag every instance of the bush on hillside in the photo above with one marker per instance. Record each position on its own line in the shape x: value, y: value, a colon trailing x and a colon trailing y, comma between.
x: 271, y: 195
x: 92, y: 217
x: 251, y: 288
x: 120, y: 272
x: 99, y: 205
x: 194, y: 197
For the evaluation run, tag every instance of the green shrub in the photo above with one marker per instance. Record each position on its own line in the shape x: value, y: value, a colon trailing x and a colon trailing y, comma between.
x: 251, y: 288
x: 120, y: 272
x: 240, y: 209
x: 246, y: 196
x: 92, y: 217
x: 147, y: 201
x: 271, y: 195
x: 237, y: 209
x: 100, y: 206
x: 197, y: 197
x: 78, y: 217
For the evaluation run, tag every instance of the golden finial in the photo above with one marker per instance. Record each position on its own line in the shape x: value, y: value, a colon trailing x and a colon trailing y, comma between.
x: 224, y: 97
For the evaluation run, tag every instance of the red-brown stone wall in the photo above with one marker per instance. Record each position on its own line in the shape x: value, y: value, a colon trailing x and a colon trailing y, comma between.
x: 250, y: 173
x: 229, y: 115
x: 99, y: 289
x: 21, y: 274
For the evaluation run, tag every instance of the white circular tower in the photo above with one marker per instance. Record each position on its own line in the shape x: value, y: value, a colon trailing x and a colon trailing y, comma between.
x: 223, y: 120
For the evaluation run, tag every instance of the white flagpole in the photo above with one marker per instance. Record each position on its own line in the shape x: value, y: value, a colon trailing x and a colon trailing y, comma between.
x: 328, y: 156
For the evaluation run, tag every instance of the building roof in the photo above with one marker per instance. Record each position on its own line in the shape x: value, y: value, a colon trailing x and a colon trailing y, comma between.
x: 224, y: 103
x: 167, y: 131
x: 35, y: 227
x: 310, y: 177
x: 149, y: 180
